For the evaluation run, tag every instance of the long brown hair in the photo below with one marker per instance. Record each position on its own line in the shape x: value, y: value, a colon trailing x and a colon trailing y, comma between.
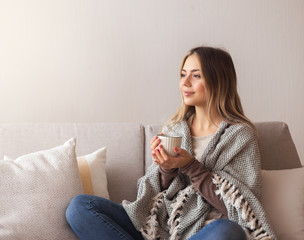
x: 221, y: 83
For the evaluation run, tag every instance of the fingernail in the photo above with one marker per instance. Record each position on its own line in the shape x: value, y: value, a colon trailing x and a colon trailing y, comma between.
x: 175, y: 149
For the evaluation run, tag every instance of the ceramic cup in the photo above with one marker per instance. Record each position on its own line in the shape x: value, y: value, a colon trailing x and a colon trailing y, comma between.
x: 169, y: 143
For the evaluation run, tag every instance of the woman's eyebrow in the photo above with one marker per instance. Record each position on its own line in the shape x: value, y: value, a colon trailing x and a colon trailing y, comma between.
x: 193, y: 70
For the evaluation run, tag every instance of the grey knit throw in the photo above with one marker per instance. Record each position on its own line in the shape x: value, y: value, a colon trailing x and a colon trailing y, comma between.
x: 179, y: 212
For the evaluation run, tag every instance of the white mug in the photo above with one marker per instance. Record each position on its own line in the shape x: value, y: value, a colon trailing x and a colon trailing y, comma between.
x: 169, y: 143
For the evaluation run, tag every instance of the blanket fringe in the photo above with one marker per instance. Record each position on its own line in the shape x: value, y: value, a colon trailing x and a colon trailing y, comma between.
x: 174, y: 219
x: 233, y: 196
x: 150, y: 230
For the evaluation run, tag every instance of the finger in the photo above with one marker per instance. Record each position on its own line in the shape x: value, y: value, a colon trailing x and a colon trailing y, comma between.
x: 154, y: 157
x: 153, y: 154
x: 163, y: 153
x: 153, y: 139
x: 155, y: 143
x: 177, y: 150
x: 156, y: 160
x: 159, y: 156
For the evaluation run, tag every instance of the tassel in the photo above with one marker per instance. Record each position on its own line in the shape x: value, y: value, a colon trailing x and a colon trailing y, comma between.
x: 232, y: 195
x: 174, y: 220
x: 150, y: 230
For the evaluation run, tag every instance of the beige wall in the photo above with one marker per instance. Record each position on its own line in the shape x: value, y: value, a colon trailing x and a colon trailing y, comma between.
x: 118, y: 60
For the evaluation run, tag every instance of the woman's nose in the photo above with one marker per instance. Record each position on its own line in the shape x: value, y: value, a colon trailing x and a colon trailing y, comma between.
x: 187, y: 81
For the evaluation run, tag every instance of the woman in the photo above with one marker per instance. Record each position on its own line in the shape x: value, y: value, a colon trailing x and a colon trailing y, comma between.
x: 211, y: 189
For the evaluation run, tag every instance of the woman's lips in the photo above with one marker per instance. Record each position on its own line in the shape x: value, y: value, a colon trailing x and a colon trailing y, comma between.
x: 188, y: 93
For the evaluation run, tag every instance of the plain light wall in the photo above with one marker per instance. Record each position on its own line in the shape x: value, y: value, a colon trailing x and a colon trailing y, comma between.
x: 119, y: 60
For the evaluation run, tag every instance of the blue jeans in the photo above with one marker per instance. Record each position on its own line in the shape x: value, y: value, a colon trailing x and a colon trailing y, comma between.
x: 221, y: 229
x: 92, y: 217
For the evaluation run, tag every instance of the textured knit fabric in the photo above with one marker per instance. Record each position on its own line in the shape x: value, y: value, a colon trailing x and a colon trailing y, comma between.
x: 179, y: 212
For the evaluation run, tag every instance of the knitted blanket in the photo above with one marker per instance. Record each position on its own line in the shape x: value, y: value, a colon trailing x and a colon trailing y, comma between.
x: 179, y: 212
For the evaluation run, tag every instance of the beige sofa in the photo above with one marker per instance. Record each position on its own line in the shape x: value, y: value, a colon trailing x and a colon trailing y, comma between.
x: 128, y: 157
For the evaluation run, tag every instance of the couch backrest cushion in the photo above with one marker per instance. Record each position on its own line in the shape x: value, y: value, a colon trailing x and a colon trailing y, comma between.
x: 124, y: 142
x: 277, y: 147
x: 278, y: 150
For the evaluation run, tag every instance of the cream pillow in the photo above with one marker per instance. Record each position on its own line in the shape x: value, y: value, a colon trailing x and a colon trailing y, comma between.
x: 92, y: 172
x: 35, y: 191
x: 283, y: 199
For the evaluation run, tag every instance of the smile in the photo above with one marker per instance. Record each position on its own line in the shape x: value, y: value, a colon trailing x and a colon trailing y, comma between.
x: 188, y: 93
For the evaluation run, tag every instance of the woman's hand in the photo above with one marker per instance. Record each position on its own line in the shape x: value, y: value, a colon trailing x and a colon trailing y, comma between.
x: 167, y: 162
x: 154, y: 143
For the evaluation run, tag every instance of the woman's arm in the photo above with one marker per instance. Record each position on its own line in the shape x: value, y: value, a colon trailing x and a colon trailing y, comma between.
x: 166, y: 177
x: 201, y: 180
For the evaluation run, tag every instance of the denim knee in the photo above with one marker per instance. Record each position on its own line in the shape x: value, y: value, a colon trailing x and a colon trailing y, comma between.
x: 230, y: 230
x: 77, y: 205
x: 221, y: 229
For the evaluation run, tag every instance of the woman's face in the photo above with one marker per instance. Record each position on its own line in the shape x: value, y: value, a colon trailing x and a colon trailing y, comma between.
x: 192, y: 82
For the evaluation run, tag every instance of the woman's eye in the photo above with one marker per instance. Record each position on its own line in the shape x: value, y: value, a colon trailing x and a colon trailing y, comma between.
x: 197, y: 76
x: 182, y: 75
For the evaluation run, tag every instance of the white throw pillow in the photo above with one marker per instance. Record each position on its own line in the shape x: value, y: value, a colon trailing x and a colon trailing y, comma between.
x: 35, y: 191
x: 283, y: 199
x: 92, y: 172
